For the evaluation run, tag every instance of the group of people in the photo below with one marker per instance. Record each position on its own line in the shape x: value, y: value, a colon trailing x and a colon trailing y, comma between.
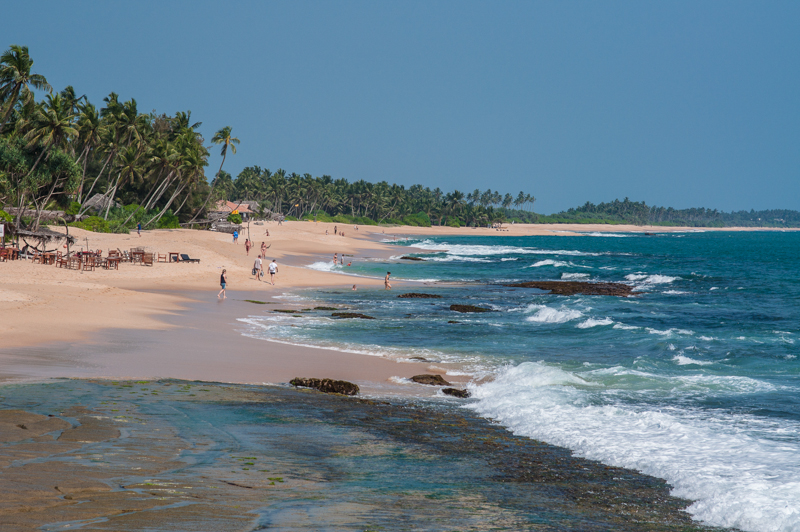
x: 258, y: 269
x: 248, y: 244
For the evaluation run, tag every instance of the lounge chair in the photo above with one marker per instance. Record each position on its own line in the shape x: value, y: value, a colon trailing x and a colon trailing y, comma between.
x: 185, y: 258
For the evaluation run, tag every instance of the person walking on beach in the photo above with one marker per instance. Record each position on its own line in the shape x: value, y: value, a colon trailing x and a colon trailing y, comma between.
x: 263, y: 249
x: 386, y: 285
x: 247, y: 245
x: 334, y: 230
x: 258, y: 269
x: 273, y: 269
x: 139, y: 229
x: 236, y: 237
x: 223, y: 280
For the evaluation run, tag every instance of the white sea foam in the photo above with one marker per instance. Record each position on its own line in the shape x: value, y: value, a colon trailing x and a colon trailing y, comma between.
x: 670, y: 331
x: 682, y: 360
x: 551, y: 262
x: 610, y: 235
x: 707, y: 338
x: 625, y: 327
x: 457, y: 258
x: 574, y: 275
x: 468, y: 250
x: 545, y: 314
x: 644, y: 280
x: 591, y: 322
x: 745, y: 478
x: 504, y: 259
x: 675, y: 292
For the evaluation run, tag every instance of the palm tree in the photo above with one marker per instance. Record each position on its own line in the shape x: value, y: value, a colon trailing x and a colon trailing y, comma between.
x: 16, y: 79
x: 223, y: 136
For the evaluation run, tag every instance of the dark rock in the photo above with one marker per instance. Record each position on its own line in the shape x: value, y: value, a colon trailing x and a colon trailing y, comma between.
x: 463, y: 394
x: 285, y: 311
x: 421, y: 359
x: 453, y: 321
x: 327, y: 385
x: 410, y: 258
x: 258, y: 302
x: 417, y: 295
x: 570, y: 288
x: 325, y: 308
x: 433, y: 380
x: 352, y: 315
x: 469, y: 308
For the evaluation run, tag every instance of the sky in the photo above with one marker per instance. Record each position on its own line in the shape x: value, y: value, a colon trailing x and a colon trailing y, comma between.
x: 682, y: 104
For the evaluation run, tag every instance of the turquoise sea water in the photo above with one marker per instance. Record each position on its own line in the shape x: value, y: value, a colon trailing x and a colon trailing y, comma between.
x: 695, y: 380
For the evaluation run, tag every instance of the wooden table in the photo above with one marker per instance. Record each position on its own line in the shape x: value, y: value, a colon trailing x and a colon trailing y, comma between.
x: 113, y: 262
x: 176, y: 255
x: 49, y: 258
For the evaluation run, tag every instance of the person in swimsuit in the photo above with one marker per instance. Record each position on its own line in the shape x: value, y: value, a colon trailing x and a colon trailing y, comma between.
x: 386, y: 285
x: 223, y: 280
x: 273, y: 269
x: 263, y: 249
x: 247, y: 245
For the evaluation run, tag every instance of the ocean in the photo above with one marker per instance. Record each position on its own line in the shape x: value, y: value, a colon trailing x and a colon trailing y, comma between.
x: 694, y: 380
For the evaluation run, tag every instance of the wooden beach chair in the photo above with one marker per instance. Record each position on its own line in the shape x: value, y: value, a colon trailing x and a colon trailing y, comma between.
x: 162, y: 257
x: 147, y: 259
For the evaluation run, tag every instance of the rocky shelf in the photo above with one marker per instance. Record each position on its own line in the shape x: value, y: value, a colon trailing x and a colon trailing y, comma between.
x: 469, y: 308
x: 571, y: 288
x: 417, y: 295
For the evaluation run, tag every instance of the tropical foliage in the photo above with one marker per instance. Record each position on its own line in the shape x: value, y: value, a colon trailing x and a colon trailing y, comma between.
x: 60, y: 151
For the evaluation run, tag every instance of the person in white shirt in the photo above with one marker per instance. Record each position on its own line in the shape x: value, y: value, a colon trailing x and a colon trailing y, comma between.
x: 273, y: 269
x: 258, y: 269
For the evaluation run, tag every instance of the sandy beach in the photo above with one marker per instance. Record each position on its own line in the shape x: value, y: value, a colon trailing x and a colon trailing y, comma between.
x: 59, y: 311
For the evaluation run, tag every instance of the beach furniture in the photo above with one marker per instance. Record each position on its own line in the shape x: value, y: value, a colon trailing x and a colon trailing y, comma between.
x: 185, y: 258
x: 88, y: 262
x: 3, y: 255
x: 162, y: 257
x: 174, y: 256
x: 112, y: 262
x: 137, y: 255
x: 147, y: 259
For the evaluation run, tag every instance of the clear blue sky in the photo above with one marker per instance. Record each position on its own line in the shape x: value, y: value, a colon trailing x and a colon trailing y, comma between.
x: 676, y: 103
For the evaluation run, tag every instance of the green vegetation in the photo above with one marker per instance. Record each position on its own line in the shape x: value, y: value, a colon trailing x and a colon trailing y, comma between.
x: 122, y: 168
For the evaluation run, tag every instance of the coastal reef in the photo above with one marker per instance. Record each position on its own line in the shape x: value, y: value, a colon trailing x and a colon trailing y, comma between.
x: 411, y: 258
x: 419, y: 295
x: 352, y: 315
x: 469, y: 308
x: 455, y: 392
x: 327, y: 385
x: 571, y: 288
x: 270, y: 457
x: 432, y: 380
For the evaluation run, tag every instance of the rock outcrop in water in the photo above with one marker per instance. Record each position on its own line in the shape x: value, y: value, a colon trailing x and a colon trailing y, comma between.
x: 410, y: 258
x: 571, y: 288
x: 418, y: 295
x: 352, y: 315
x: 327, y: 385
x: 433, y: 380
x: 469, y: 308
x: 455, y: 392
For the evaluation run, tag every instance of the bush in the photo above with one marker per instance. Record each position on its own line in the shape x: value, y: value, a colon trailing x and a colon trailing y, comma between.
x: 417, y: 220
x: 232, y: 218
x: 453, y: 222
x: 291, y: 218
x: 94, y: 224
x: 170, y: 221
x: 74, y: 208
x: 5, y: 217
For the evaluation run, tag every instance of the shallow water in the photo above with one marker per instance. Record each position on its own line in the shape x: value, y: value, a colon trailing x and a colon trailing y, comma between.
x: 201, y: 456
x: 695, y: 380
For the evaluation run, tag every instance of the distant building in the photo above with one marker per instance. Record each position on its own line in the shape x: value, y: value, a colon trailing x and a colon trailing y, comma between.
x: 225, y: 208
